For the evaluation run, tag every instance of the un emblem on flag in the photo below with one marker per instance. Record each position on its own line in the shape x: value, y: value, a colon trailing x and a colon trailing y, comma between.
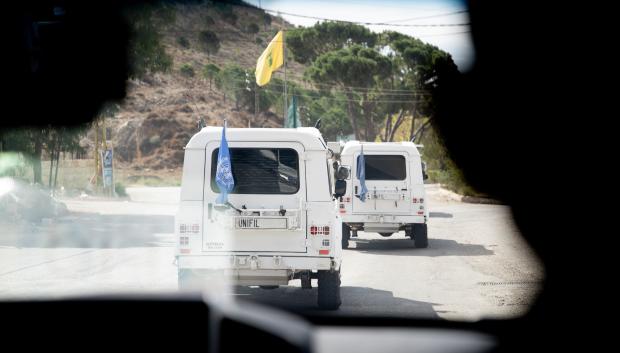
x: 224, y: 172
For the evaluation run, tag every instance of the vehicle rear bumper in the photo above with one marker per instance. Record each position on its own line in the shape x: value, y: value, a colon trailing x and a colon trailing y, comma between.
x: 256, y: 263
x: 387, y: 222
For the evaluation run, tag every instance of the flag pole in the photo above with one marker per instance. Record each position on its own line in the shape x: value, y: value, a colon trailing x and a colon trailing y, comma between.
x: 285, y: 96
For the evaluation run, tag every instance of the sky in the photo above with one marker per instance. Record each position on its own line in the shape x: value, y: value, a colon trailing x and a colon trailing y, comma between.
x: 455, y: 40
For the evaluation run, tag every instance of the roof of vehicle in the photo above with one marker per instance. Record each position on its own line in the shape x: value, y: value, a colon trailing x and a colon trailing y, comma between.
x: 309, y: 137
x: 354, y: 146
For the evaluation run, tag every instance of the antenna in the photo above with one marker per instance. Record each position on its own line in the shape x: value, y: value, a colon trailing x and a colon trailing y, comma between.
x: 317, y: 125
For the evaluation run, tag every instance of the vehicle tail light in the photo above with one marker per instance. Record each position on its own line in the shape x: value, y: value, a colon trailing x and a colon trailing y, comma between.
x: 324, y: 252
x: 420, y: 212
x: 185, y: 228
x: 314, y: 230
x: 414, y: 200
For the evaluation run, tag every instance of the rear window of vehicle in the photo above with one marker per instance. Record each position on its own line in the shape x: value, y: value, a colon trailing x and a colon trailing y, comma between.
x: 385, y: 167
x: 261, y: 170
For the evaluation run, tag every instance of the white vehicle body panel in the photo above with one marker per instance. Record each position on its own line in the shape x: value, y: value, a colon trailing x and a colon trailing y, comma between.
x: 261, y: 245
x: 389, y: 204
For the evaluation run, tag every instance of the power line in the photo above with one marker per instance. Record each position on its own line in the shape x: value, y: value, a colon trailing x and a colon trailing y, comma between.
x: 368, y: 23
x: 380, y: 91
x: 443, y: 34
x: 314, y: 96
x: 430, y: 16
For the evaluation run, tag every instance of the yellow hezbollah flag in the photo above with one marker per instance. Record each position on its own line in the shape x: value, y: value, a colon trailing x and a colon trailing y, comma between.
x: 271, y: 59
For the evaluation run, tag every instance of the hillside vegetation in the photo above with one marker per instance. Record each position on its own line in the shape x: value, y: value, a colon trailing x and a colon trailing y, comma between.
x: 195, y: 61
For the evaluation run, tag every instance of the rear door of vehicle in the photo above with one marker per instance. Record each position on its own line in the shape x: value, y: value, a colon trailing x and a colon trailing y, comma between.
x: 387, y: 180
x: 270, y: 187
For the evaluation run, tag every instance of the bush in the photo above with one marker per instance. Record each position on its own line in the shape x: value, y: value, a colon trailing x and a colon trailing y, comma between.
x: 230, y: 17
x: 259, y: 41
x: 183, y: 42
x: 187, y: 70
x: 120, y: 189
x: 209, y: 21
x: 266, y: 20
x: 154, y: 140
x: 252, y: 28
x: 209, y: 42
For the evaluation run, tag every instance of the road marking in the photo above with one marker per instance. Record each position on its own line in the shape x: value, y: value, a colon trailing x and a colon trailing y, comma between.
x: 47, y: 262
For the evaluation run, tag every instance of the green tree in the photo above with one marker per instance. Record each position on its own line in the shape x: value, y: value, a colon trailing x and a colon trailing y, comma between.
x: 146, y: 51
x: 187, y: 70
x: 309, y: 43
x: 252, y: 28
x: 210, y: 72
x: 183, y: 42
x: 266, y: 20
x: 357, y: 71
x: 233, y: 78
x: 421, y: 69
x: 209, y: 42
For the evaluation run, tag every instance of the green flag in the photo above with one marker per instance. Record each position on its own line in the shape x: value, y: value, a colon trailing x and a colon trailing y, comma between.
x: 292, y: 116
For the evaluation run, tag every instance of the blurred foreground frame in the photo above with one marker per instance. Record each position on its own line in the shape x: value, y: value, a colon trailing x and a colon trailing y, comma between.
x: 76, y: 61
x: 65, y: 59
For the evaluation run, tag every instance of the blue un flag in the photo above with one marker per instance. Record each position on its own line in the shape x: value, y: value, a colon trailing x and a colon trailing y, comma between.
x: 361, y: 176
x: 223, y: 174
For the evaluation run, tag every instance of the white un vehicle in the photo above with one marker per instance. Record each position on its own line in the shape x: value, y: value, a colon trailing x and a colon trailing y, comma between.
x: 394, y: 178
x: 280, y: 222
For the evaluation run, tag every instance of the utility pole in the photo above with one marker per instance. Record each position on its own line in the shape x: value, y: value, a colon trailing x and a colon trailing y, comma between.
x: 284, y: 50
x: 256, y: 102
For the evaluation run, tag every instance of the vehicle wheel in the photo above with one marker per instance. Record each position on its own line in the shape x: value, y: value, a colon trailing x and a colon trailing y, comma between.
x: 386, y: 234
x: 329, y: 290
x: 268, y: 287
x: 420, y: 235
x: 346, y: 235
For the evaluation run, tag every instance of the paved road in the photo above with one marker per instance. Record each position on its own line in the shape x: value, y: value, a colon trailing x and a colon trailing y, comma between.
x: 476, y: 264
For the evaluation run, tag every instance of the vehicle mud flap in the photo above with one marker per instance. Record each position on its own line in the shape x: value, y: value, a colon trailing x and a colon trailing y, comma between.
x: 306, y: 280
x: 329, y: 290
x: 346, y: 235
x: 420, y: 235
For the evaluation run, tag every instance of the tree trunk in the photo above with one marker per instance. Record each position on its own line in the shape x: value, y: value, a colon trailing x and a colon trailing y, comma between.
x: 397, y: 124
x: 57, y: 162
x: 352, y: 115
x: 36, y: 161
x: 414, y: 112
x: 388, y: 127
x: 51, y: 153
x: 369, y: 129
x: 418, y: 134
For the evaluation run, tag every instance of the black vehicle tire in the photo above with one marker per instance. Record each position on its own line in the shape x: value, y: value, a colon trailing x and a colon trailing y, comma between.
x: 268, y: 287
x: 329, y: 290
x: 386, y: 234
x: 420, y: 236
x: 346, y: 235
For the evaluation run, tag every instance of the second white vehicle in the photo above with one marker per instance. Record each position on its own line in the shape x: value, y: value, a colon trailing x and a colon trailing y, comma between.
x: 393, y: 174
